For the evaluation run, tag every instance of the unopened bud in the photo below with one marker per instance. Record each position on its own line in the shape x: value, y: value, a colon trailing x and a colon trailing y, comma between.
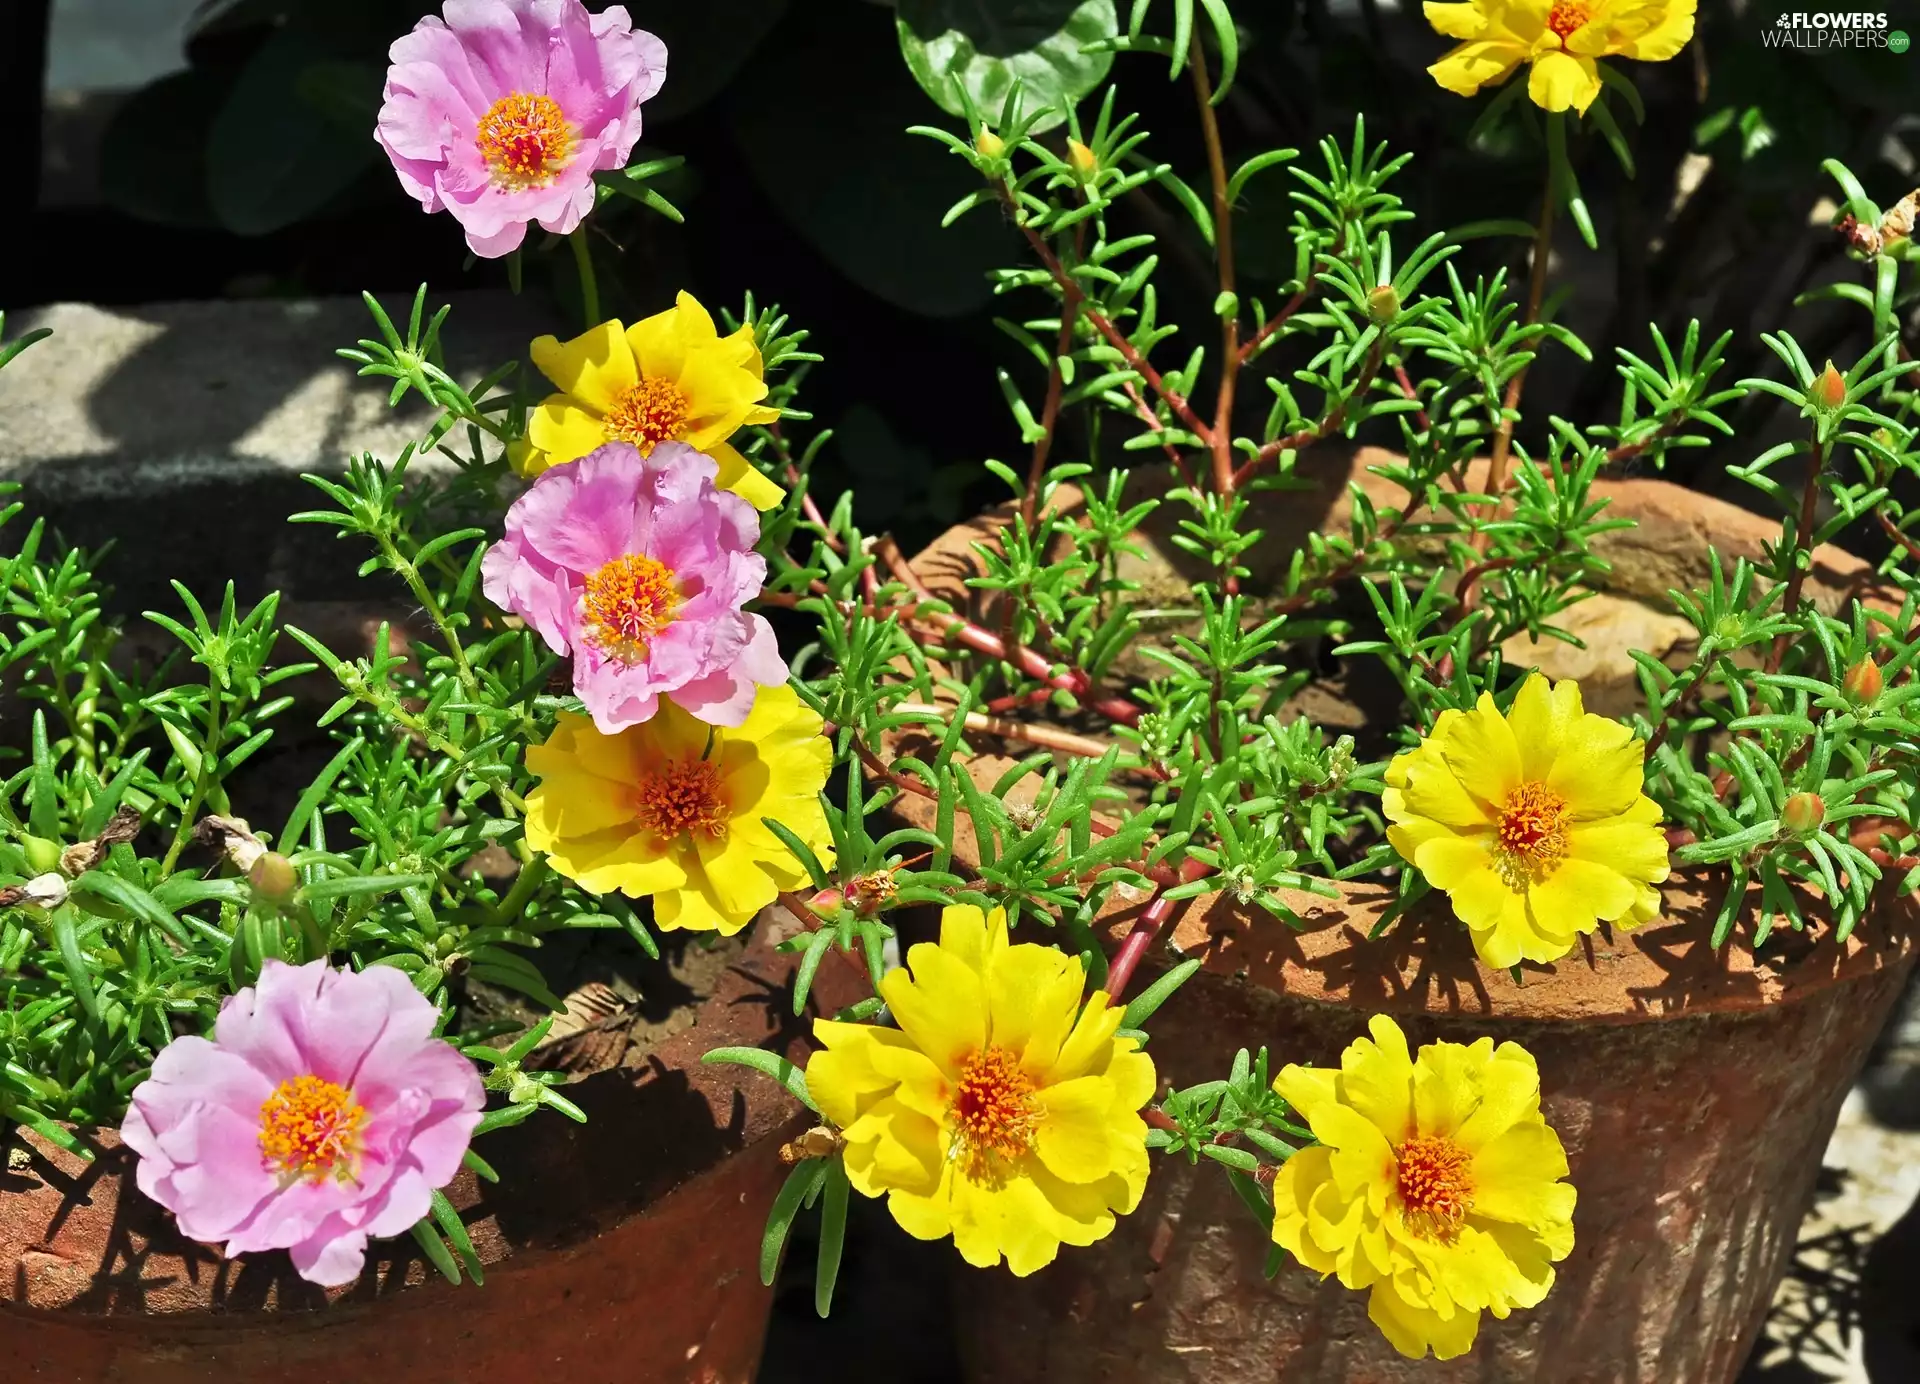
x: 1862, y: 682
x: 273, y: 877
x: 1830, y: 390
x: 42, y: 855
x: 1082, y: 161
x: 988, y: 145
x: 1803, y: 813
x: 826, y: 903
x: 1383, y: 304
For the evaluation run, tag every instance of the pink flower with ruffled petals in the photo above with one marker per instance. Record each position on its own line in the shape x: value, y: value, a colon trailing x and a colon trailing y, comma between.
x: 503, y: 111
x: 323, y: 1111
x: 638, y: 567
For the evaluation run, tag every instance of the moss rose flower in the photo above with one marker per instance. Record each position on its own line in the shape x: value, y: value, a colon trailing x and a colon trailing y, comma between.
x: 1436, y: 1184
x: 502, y: 111
x: 638, y: 567
x: 1533, y: 822
x: 322, y: 1111
x: 1001, y: 1112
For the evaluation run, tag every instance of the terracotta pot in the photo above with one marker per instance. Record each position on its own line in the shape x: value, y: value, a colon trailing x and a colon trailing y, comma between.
x: 1695, y: 1092
x: 622, y: 1250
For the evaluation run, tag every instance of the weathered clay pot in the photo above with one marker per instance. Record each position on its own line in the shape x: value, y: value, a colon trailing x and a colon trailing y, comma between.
x: 1695, y: 1092
x: 617, y: 1251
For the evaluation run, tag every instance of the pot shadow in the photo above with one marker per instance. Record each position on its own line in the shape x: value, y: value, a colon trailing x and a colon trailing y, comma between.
x: 1889, y: 1317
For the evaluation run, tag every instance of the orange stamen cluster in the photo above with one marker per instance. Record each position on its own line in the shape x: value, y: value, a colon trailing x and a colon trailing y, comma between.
x: 1435, y: 1177
x: 524, y: 139
x: 626, y: 603
x: 310, y: 1128
x: 994, y: 1113
x: 1567, y: 16
x: 682, y: 798
x: 650, y: 412
x: 1532, y: 834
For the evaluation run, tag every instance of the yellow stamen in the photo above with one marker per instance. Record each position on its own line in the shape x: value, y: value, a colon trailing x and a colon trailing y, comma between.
x: 1435, y: 1180
x: 681, y: 798
x: 994, y: 1113
x: 311, y: 1128
x: 1532, y: 835
x: 1567, y: 16
x: 626, y: 603
x: 650, y: 412
x: 525, y: 140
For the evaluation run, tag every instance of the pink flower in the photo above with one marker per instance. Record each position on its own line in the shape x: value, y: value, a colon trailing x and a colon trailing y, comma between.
x: 638, y: 567
x: 322, y: 1112
x: 503, y: 111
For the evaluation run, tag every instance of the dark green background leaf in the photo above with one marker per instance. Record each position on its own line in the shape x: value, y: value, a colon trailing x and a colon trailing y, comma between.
x: 989, y: 44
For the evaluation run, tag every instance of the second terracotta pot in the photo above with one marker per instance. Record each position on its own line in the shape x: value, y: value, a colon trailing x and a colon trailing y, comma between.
x: 1695, y: 1092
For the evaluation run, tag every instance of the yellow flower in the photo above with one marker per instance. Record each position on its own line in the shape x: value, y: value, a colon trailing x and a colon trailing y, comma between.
x: 1435, y: 1183
x: 1534, y: 824
x: 992, y: 1114
x: 672, y: 808
x: 1561, y: 38
x: 671, y: 378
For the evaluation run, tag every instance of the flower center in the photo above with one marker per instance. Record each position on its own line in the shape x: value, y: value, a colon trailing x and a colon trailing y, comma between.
x: 1568, y: 15
x: 310, y: 1128
x: 994, y: 1113
x: 682, y: 798
x: 652, y: 411
x: 524, y: 139
x: 1533, y: 836
x: 626, y: 603
x: 1436, y: 1185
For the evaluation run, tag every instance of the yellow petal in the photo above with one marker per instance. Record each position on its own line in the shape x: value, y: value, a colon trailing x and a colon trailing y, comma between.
x: 1032, y: 987
x: 1577, y: 893
x: 1514, y: 1179
x: 918, y: 1083
x: 594, y: 368
x: 1414, y: 1330
x: 1561, y: 81
x: 1598, y: 770
x: 942, y: 1007
x: 1089, y: 1047
x: 1482, y: 62
x: 1634, y: 849
x: 1543, y: 713
x: 1072, y: 1138
x: 1376, y: 1078
x: 660, y: 343
x: 1481, y: 752
x: 1308, y: 1089
x: 743, y: 478
x: 1432, y: 789
x: 972, y: 936
x: 843, y: 1079
x: 1456, y: 20
x: 1294, y: 1186
x: 891, y: 1146
x: 559, y: 430
x: 1667, y: 36
x: 1447, y: 1084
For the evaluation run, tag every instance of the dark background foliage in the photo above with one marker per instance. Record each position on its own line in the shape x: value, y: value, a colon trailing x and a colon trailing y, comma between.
x: 252, y: 172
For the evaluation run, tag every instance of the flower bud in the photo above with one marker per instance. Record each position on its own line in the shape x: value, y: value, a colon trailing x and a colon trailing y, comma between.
x: 1383, y: 304
x: 988, y: 145
x: 1803, y: 813
x: 43, y: 856
x: 1862, y: 682
x: 1082, y: 161
x: 1830, y: 390
x: 273, y: 877
x: 826, y: 903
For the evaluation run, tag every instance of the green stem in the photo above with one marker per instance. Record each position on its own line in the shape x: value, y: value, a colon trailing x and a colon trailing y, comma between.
x: 422, y: 593
x: 202, y: 781
x: 589, y: 286
x: 532, y: 875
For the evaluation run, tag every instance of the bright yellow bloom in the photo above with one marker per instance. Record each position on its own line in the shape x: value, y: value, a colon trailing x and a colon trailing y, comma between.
x: 1000, y: 1112
x: 1533, y: 823
x: 1561, y: 38
x: 671, y: 378
x: 1435, y: 1183
x: 672, y: 808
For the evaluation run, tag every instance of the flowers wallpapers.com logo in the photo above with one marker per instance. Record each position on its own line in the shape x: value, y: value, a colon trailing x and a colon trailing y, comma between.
x: 1834, y: 29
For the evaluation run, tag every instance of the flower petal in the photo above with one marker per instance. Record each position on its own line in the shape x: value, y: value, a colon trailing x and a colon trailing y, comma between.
x: 594, y: 368
x: 1562, y: 81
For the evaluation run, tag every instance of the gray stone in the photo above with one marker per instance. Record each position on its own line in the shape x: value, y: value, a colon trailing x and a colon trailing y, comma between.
x: 180, y: 431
